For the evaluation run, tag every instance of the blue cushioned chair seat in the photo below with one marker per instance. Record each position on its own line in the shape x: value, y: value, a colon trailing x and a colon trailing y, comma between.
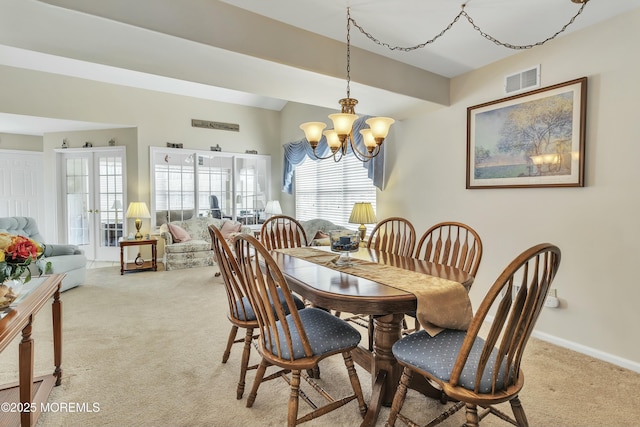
x: 437, y: 355
x: 326, y: 332
x: 251, y: 315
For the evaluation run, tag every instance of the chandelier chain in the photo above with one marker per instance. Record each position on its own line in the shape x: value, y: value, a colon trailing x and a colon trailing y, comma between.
x: 348, y: 52
x: 448, y: 27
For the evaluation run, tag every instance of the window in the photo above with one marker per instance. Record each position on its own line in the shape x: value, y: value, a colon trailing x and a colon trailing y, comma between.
x: 203, y: 183
x: 326, y: 189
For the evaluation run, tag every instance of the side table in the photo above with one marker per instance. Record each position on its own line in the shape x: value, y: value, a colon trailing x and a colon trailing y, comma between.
x: 139, y: 264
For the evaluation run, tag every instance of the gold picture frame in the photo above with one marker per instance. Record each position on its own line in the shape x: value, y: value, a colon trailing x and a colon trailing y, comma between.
x: 534, y: 139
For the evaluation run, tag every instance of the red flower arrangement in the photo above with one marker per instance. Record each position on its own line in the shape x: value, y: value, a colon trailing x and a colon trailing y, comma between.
x: 16, y: 253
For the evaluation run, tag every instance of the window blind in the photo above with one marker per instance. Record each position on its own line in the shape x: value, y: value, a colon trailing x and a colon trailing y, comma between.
x: 328, y: 190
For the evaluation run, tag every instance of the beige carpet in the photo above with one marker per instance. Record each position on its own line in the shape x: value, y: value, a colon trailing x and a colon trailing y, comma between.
x: 146, y: 349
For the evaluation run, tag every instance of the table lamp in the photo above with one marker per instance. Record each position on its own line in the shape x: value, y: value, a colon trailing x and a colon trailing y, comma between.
x: 362, y: 213
x: 272, y: 208
x: 138, y: 210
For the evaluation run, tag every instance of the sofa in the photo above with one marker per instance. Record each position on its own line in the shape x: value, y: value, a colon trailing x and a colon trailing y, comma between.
x: 187, y: 243
x: 317, y: 231
x: 67, y: 259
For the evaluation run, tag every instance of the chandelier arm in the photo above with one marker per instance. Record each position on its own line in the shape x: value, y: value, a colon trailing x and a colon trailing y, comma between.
x: 475, y: 27
x: 336, y: 158
x: 333, y: 154
x: 363, y: 157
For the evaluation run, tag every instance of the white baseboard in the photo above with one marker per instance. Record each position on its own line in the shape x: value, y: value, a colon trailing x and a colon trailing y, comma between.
x: 597, y: 354
x: 607, y: 357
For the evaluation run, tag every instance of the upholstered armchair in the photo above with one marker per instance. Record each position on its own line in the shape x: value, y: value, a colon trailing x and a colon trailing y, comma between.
x: 188, y: 243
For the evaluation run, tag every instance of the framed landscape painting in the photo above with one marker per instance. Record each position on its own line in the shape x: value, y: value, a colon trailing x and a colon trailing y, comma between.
x: 535, y: 139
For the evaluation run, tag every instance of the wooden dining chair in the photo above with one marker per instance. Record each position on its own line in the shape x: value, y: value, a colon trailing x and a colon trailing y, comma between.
x: 394, y: 235
x: 241, y: 314
x: 297, y: 341
x: 485, y: 371
x: 449, y: 243
x: 282, y: 231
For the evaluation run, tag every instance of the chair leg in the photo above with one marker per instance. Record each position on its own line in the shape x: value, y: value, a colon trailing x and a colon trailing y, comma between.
x: 398, y: 398
x: 292, y: 416
x: 256, y: 383
x: 518, y: 412
x: 472, y: 415
x: 355, y: 382
x: 246, y: 352
x: 230, y: 341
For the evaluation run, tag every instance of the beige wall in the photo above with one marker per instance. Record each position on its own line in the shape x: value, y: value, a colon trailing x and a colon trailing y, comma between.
x: 595, y: 226
x: 10, y: 141
x: 158, y: 117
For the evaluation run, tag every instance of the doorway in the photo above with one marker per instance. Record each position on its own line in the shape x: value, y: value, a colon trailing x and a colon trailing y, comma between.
x: 93, y: 183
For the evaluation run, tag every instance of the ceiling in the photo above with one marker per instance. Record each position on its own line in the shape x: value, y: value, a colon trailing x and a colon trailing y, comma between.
x: 267, y: 53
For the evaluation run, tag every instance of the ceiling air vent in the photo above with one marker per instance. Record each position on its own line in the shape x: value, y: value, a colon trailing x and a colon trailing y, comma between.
x: 527, y: 79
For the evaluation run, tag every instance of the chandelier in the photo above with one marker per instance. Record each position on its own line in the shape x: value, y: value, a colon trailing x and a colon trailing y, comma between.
x: 341, y: 137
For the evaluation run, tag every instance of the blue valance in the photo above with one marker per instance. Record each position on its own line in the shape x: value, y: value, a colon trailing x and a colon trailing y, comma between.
x: 295, y: 153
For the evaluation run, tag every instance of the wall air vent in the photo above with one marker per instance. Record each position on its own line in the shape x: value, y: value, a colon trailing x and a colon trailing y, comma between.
x: 527, y: 79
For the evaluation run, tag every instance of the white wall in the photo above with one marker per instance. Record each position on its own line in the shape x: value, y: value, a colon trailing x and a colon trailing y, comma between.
x: 596, y: 227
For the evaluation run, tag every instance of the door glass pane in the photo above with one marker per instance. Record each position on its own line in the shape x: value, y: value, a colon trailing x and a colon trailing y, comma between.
x: 77, y: 201
x: 110, y: 200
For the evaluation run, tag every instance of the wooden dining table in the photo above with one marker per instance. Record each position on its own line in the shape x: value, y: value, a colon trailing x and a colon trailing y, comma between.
x: 336, y: 290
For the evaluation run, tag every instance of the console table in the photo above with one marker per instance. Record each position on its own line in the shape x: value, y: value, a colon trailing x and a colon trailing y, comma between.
x: 23, y: 399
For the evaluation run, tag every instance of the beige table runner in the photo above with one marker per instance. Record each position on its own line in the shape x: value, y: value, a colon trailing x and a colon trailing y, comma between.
x: 442, y: 303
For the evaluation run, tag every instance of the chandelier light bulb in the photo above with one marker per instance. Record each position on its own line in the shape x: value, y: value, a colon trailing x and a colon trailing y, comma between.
x: 342, y: 123
x: 369, y: 140
x: 313, y: 132
x: 333, y: 140
x: 380, y: 127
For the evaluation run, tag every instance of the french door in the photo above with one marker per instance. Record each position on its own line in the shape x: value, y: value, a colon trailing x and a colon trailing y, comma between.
x: 93, y: 188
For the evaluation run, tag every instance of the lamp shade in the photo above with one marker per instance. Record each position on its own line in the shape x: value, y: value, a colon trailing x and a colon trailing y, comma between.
x: 138, y: 210
x: 273, y: 208
x: 117, y: 204
x: 313, y: 131
x: 362, y: 213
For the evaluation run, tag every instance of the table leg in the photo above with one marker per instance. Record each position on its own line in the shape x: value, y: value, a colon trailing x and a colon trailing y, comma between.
x: 154, y: 255
x: 388, y: 330
x: 385, y: 370
x: 121, y: 260
x: 57, y: 336
x: 25, y: 367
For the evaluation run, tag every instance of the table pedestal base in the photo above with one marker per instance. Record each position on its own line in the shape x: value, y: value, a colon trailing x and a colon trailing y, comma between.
x: 385, y: 369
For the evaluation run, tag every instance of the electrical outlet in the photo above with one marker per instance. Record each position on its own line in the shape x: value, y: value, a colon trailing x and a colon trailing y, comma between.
x: 552, y: 300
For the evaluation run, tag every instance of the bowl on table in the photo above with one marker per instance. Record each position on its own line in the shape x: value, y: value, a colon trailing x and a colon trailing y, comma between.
x: 344, y: 242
